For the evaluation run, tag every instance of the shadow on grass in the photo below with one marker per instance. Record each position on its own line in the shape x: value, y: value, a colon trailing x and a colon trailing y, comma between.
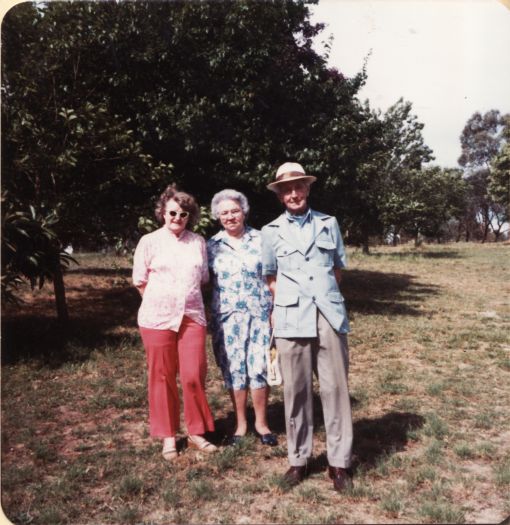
x: 419, y: 254
x: 374, y: 293
x: 101, y: 272
x: 376, y: 439
x: 94, y: 313
x: 275, y: 418
x: 34, y: 333
x: 382, y: 436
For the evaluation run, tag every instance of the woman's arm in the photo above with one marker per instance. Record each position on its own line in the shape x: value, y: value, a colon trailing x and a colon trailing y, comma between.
x: 141, y: 266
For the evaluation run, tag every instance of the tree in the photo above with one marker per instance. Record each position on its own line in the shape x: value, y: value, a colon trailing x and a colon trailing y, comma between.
x: 223, y: 92
x: 499, y: 180
x: 388, y: 151
x: 31, y: 250
x: 425, y: 200
x: 482, y: 139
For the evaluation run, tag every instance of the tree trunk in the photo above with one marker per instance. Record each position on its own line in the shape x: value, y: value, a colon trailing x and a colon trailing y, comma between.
x: 60, y: 295
x: 485, y: 232
x: 396, y: 237
x: 365, y: 246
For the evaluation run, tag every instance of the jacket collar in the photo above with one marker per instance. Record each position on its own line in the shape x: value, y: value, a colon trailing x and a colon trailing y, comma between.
x: 318, y: 220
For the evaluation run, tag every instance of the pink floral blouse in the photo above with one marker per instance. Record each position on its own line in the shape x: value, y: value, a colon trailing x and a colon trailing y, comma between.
x: 172, y: 270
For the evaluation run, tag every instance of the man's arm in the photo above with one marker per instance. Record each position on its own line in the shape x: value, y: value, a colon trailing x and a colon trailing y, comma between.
x: 339, y: 257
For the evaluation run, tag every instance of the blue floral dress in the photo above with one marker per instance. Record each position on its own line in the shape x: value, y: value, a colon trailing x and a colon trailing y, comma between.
x: 240, y: 309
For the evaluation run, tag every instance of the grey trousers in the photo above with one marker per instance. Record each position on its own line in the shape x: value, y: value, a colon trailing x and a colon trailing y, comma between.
x: 327, y: 356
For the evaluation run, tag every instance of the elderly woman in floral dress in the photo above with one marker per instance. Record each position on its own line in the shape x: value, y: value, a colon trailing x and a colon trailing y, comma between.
x: 170, y: 265
x: 240, y: 311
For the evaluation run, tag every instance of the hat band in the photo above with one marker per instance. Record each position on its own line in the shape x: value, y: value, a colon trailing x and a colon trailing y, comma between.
x: 289, y: 175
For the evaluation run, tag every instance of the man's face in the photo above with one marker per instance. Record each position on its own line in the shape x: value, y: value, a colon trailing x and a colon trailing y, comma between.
x: 293, y: 195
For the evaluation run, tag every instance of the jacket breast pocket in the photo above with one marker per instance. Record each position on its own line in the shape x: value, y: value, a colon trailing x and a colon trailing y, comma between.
x: 286, y: 311
x: 326, y: 250
x: 288, y: 258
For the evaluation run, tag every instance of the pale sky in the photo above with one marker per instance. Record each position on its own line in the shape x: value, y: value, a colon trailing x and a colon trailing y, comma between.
x: 449, y: 58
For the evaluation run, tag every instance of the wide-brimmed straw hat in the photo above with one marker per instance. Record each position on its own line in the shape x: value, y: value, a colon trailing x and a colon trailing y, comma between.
x: 290, y: 171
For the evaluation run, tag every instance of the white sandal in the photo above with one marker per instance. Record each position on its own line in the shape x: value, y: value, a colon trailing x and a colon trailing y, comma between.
x: 201, y: 444
x: 169, y: 449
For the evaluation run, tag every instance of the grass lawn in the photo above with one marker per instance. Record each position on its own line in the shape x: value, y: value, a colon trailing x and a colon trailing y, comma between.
x: 429, y: 380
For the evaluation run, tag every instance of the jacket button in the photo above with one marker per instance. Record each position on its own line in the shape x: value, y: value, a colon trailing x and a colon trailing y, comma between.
x: 285, y: 252
x: 307, y: 258
x: 311, y: 277
x: 313, y: 298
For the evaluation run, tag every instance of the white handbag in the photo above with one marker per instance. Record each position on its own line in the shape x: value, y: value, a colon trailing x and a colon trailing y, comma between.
x: 274, y: 375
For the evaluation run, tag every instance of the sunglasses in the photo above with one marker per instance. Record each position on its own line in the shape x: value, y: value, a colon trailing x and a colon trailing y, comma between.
x: 182, y: 214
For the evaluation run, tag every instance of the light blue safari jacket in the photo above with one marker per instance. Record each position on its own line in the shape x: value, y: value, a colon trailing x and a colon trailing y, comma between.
x: 305, y: 279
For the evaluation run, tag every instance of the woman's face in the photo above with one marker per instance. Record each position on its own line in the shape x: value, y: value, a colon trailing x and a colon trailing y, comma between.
x: 231, y: 217
x: 175, y: 217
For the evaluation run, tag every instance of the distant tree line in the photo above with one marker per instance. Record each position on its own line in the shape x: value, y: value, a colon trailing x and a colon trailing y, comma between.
x: 105, y: 103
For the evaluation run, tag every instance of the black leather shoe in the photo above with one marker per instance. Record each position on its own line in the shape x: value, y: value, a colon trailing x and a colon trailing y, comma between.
x: 268, y: 439
x: 234, y: 440
x: 295, y: 475
x: 340, y: 477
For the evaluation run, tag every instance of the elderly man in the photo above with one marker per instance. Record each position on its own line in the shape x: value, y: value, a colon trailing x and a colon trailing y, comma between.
x: 302, y: 257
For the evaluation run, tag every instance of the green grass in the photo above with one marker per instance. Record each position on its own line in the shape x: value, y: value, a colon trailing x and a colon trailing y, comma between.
x: 393, y: 503
x: 441, y: 512
x: 428, y: 376
x: 464, y: 450
x: 502, y: 473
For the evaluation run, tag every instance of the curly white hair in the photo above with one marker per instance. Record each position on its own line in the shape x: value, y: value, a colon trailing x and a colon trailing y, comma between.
x: 229, y: 194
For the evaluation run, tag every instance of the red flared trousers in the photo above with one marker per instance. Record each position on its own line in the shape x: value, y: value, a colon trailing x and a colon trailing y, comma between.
x: 167, y: 353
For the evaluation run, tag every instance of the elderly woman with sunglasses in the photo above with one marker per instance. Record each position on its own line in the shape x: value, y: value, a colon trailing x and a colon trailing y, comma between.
x: 170, y: 265
x: 240, y: 310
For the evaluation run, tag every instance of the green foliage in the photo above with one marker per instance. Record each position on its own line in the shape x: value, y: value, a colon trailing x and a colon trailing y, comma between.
x: 499, y: 178
x: 422, y: 201
x: 30, y: 248
x: 65, y: 147
x: 105, y: 103
x: 221, y: 92
x: 484, y: 142
x: 386, y: 149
